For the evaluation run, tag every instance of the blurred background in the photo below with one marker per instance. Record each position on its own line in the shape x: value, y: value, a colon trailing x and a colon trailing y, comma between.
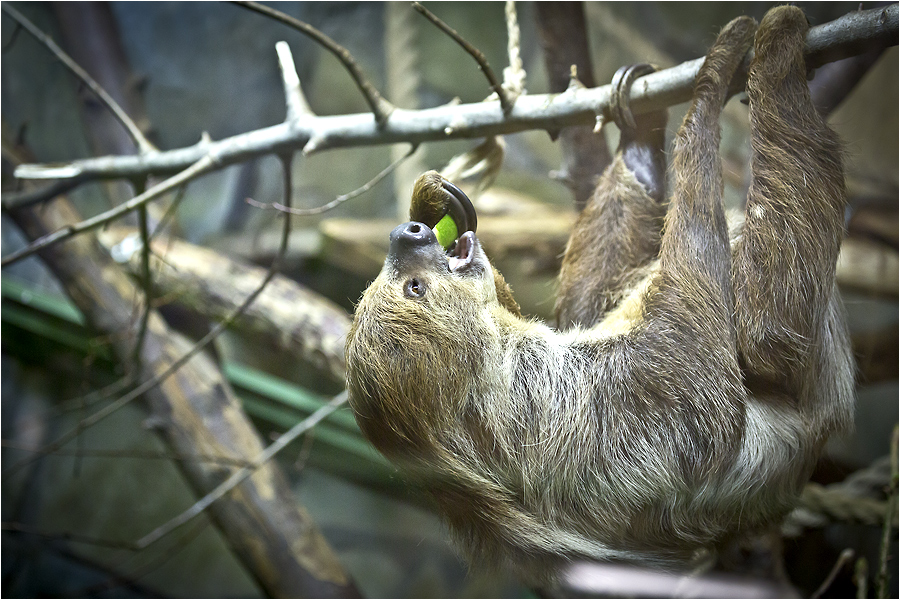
x: 184, y: 70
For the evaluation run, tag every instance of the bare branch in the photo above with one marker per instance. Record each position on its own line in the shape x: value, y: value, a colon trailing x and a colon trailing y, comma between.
x: 305, y: 212
x: 294, y: 100
x: 238, y: 476
x: 890, y: 513
x: 143, y: 144
x: 31, y: 197
x: 197, y: 412
x: 205, y: 164
x: 73, y: 537
x: 177, y: 364
x: 845, y: 557
x: 163, y: 555
x: 12, y: 38
x: 286, y: 317
x: 505, y: 103
x: 146, y: 279
x: 381, y: 108
x: 532, y: 111
x: 861, y: 577
x: 130, y: 453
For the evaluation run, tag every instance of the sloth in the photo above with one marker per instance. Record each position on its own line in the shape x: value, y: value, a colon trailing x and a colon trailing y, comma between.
x: 696, y: 371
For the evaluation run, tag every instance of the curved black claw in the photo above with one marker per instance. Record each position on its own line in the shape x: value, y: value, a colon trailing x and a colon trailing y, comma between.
x: 460, y: 208
x: 619, y: 108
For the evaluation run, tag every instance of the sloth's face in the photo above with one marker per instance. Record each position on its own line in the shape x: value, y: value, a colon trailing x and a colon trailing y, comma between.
x: 417, y: 262
x: 417, y: 334
x: 425, y: 301
x: 424, y: 286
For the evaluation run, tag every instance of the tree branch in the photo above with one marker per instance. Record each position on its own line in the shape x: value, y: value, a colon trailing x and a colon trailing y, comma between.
x: 506, y: 103
x: 381, y: 108
x: 318, y: 210
x: 203, y: 165
x: 840, y: 38
x: 244, y: 472
x: 128, y: 453
x: 197, y: 413
x: 295, y: 101
x: 285, y: 315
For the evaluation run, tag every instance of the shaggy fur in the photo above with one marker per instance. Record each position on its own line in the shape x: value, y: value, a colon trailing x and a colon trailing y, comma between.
x: 696, y: 406
x: 626, y: 212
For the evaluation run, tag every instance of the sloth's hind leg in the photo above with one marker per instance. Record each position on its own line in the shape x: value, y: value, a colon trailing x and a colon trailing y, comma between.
x: 785, y: 258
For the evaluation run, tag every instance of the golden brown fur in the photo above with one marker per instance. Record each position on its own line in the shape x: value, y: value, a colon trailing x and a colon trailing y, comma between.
x: 693, y: 409
x: 626, y: 211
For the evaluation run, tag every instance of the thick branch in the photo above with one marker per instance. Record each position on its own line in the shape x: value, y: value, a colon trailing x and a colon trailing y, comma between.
x: 843, y: 37
x: 243, y: 473
x: 197, y: 413
x: 286, y: 315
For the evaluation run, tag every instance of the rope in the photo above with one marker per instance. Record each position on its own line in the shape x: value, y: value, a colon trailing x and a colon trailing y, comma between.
x: 514, y: 74
x: 854, y: 500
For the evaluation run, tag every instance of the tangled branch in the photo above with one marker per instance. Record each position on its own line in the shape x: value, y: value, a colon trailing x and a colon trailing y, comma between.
x: 381, y: 108
x: 845, y: 36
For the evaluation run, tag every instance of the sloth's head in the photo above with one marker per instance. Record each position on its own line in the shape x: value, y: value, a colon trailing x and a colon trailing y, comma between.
x: 421, y: 278
x: 418, y: 337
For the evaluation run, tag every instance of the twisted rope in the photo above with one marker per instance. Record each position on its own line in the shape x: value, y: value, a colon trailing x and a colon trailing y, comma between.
x: 855, y: 500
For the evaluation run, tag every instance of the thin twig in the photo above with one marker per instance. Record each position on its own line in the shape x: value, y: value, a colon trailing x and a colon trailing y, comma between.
x: 861, y: 577
x: 170, y: 212
x: 146, y: 280
x: 505, y: 102
x: 242, y: 474
x: 162, y: 557
x: 137, y: 454
x: 26, y: 198
x: 175, y: 366
x: 294, y: 100
x: 881, y: 581
x: 69, y: 537
x: 207, y: 163
x: 380, y: 107
x: 305, y: 212
x: 143, y: 144
x: 12, y: 38
x: 845, y: 557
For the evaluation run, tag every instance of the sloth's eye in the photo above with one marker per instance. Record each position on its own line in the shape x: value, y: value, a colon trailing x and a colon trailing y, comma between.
x: 414, y: 288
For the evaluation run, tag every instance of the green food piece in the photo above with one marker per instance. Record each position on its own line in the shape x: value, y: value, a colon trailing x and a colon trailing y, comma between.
x: 446, y: 231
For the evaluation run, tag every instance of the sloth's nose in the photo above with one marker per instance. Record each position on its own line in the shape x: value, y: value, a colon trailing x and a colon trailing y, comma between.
x: 411, y: 235
x: 414, y: 246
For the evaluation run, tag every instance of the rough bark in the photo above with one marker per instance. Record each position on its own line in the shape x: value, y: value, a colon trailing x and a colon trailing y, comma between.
x: 196, y: 412
x: 563, y: 36
x: 287, y: 315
